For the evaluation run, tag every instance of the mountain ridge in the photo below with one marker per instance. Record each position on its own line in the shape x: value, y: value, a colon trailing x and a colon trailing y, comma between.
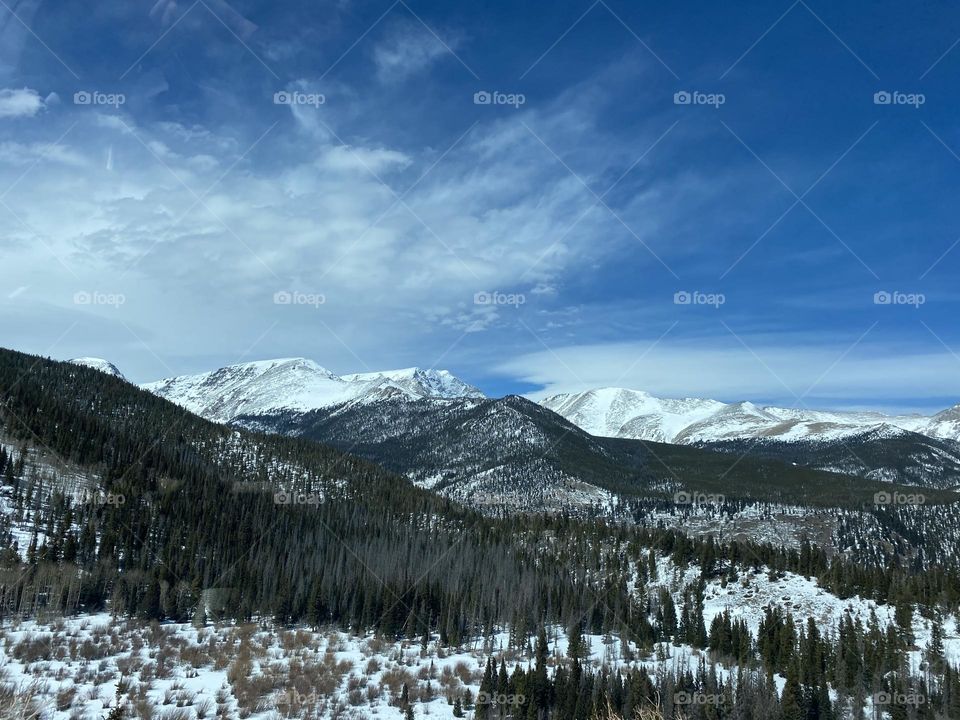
x: 259, y: 387
x: 633, y: 414
x: 299, y: 385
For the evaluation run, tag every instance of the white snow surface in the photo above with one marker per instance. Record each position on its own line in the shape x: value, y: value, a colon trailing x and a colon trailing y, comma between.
x: 268, y: 387
x: 100, y: 364
x: 72, y: 667
x: 426, y: 383
x: 328, y: 674
x: 747, y: 599
x: 621, y: 412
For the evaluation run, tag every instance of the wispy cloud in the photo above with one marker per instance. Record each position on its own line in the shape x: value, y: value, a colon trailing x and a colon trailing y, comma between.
x: 22, y: 102
x: 398, y: 241
x: 408, y: 49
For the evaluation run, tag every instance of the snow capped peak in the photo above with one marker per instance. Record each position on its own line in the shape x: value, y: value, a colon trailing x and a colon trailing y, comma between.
x: 100, y: 364
x: 620, y: 412
x: 298, y: 364
x: 252, y: 388
x: 951, y: 413
x: 299, y: 385
x: 884, y: 431
x: 422, y: 383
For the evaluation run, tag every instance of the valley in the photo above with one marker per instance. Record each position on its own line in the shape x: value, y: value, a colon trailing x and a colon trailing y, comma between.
x: 404, y: 553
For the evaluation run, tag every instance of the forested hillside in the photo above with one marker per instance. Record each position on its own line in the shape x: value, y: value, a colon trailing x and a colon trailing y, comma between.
x: 114, y: 499
x: 511, y: 452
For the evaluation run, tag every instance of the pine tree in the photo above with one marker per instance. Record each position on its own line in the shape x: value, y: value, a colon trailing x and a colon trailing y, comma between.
x: 118, y: 712
x: 575, y: 642
x: 791, y: 702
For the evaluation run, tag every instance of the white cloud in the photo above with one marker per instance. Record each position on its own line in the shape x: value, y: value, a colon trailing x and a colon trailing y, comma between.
x: 17, y: 153
x: 729, y: 371
x: 198, y: 230
x: 408, y: 49
x: 199, y: 252
x: 362, y: 160
x: 23, y: 102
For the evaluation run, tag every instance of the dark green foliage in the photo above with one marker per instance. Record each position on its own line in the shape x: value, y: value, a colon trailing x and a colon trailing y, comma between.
x: 202, y: 534
x: 908, y: 457
x: 456, y: 441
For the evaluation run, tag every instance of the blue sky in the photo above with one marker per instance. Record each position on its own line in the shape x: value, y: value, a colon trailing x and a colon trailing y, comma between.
x: 187, y: 185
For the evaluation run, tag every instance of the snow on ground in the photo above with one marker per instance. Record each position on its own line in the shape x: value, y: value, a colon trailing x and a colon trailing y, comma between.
x: 748, y: 597
x: 47, y: 474
x: 72, y: 667
x: 785, y: 525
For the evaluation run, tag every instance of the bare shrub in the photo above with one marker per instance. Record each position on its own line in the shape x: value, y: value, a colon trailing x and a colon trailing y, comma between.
x: 177, y: 714
x: 21, y: 702
x: 144, y: 709
x: 395, y: 678
x: 65, y: 698
x: 30, y: 650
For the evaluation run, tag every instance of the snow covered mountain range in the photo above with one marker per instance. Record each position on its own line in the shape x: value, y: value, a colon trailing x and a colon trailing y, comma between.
x: 623, y: 413
x: 298, y: 385
x: 444, y: 434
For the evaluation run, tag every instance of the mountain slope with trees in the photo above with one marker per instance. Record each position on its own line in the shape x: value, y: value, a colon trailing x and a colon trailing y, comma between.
x: 131, y: 504
x: 516, y: 453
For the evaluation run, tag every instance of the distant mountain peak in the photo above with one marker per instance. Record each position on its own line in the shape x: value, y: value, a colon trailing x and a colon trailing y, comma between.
x: 635, y: 414
x: 421, y: 382
x: 100, y: 364
x: 300, y: 385
x: 281, y: 364
x: 951, y: 413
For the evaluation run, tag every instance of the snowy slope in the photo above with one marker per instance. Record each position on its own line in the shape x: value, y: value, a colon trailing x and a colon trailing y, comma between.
x: 619, y: 412
x: 944, y: 425
x: 298, y: 385
x: 98, y: 364
x: 421, y: 383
